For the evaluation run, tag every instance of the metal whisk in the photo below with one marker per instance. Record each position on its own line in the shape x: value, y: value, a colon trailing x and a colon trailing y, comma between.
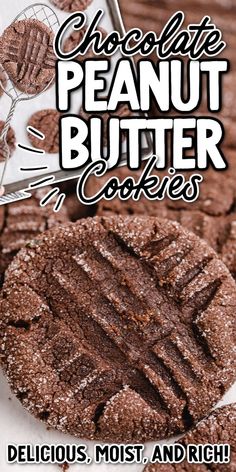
x: 46, y: 15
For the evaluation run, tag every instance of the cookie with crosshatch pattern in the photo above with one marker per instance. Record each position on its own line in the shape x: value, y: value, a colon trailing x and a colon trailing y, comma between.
x: 27, y: 56
x: 118, y: 329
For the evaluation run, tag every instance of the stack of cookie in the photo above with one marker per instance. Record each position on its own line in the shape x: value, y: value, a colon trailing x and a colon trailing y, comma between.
x: 22, y: 222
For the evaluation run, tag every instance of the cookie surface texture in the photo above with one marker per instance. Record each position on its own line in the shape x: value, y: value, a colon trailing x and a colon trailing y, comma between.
x: 26, y: 54
x: 22, y: 221
x: 211, y: 217
x: 218, y: 428
x: 118, y: 329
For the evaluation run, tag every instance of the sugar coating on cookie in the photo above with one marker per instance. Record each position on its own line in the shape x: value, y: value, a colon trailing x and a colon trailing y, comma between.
x: 26, y: 54
x: 22, y: 221
x: 118, y: 329
x: 211, y: 217
x: 219, y: 427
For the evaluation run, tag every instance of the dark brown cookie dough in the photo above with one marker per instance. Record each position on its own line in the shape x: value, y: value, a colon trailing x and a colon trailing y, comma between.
x: 76, y: 37
x: 152, y: 15
x: 218, y: 428
x: 26, y: 53
x: 72, y: 5
x: 122, y: 112
x: 47, y: 122
x: 25, y: 220
x: 11, y: 141
x: 157, y: 300
x: 76, y: 209
x: 212, y: 216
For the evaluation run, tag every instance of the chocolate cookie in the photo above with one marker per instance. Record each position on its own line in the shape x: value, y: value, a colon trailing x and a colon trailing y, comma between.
x: 210, y: 201
x: 122, y: 112
x: 3, y: 80
x: 152, y: 15
x: 211, y: 217
x: 218, y: 428
x: 118, y: 329
x: 76, y: 210
x: 25, y: 220
x: 26, y: 54
x: 75, y: 38
x: 47, y: 122
x: 72, y: 5
x: 11, y: 141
